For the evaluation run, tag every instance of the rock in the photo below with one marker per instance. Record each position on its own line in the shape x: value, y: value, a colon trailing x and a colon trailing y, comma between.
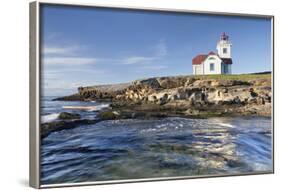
x: 210, y: 92
x: 74, y: 97
x: 108, y: 115
x: 169, y: 82
x: 197, y: 97
x: 151, y: 82
x: 215, y: 83
x: 229, y: 83
x: 189, y: 81
x: 192, y: 112
x: 252, y: 100
x: 163, y: 99
x: 152, y: 98
x: 224, y: 90
x: 104, y: 92
x: 47, y: 128
x: 67, y: 116
x: 261, y: 82
x: 202, y: 83
x: 267, y: 98
x: 260, y: 100
x: 253, y: 94
x: 236, y: 100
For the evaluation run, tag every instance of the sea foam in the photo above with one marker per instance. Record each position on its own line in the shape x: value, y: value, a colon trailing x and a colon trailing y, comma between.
x: 98, y: 107
x: 49, y: 117
x: 226, y: 125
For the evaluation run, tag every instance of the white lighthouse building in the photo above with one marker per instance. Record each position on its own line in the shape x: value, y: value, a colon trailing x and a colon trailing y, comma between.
x: 214, y: 63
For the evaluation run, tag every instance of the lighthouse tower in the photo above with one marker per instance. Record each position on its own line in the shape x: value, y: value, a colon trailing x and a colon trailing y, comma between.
x: 224, y: 46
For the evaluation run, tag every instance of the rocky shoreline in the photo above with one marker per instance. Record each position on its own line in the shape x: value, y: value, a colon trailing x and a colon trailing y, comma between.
x: 179, y: 96
x: 189, y: 95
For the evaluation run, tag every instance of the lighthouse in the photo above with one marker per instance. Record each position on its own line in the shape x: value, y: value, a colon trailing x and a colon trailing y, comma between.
x: 224, y: 46
x: 214, y: 63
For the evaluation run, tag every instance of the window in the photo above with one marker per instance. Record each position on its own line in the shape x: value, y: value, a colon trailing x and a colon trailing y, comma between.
x: 224, y: 50
x: 212, y: 66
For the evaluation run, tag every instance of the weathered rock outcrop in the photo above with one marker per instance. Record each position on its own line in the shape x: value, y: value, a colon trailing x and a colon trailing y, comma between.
x: 181, y: 96
x: 47, y: 128
x: 188, y: 95
x: 104, y: 92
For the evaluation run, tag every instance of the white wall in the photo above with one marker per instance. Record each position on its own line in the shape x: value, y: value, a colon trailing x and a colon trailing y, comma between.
x: 197, y: 69
x: 14, y: 96
x: 216, y: 61
x: 221, y: 45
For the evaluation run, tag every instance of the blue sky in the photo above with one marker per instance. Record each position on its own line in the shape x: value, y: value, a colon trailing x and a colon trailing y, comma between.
x: 90, y: 46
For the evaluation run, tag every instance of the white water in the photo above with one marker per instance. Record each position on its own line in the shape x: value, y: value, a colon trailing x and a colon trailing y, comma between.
x: 226, y: 125
x: 99, y: 107
x: 87, y: 108
x: 49, y: 117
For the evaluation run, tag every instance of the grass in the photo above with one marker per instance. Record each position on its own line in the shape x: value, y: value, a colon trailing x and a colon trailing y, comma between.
x: 243, y: 77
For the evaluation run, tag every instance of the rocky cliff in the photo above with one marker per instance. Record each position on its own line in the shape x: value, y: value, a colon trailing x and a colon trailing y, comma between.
x: 186, y: 95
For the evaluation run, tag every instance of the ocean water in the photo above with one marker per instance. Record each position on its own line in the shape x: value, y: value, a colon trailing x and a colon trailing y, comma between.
x: 133, y: 149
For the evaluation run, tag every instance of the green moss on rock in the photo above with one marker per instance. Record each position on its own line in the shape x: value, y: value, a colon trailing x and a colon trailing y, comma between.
x: 107, y: 115
x: 67, y: 116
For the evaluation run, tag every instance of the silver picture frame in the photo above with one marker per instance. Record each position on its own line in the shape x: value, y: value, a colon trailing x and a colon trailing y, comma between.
x: 35, y: 91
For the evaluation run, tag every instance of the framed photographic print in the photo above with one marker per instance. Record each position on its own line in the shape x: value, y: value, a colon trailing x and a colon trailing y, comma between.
x: 132, y: 94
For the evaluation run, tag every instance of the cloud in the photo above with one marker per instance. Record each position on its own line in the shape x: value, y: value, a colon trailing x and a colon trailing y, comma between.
x: 74, y: 70
x: 56, y: 50
x: 60, y: 85
x: 69, y: 60
x: 67, y: 85
x: 54, y: 75
x: 75, y: 64
x: 161, y: 48
x: 158, y: 52
x: 71, y: 55
x: 155, y: 67
x: 138, y: 60
x: 59, y: 88
x: 53, y: 36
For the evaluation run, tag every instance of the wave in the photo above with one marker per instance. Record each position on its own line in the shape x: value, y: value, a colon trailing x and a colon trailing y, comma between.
x: 99, y: 107
x: 87, y: 108
x: 49, y: 117
x: 226, y: 125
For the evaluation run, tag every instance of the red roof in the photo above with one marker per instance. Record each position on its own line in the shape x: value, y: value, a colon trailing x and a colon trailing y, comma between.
x: 212, y: 53
x: 198, y: 59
